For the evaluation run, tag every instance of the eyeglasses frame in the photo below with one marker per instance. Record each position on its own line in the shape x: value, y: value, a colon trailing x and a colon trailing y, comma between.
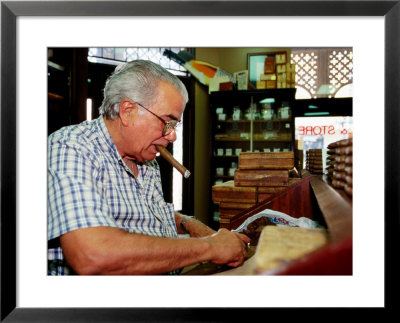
x: 169, y: 126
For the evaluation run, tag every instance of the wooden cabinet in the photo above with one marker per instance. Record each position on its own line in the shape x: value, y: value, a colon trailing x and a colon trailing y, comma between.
x: 242, y: 121
x: 59, y: 93
x: 67, y: 78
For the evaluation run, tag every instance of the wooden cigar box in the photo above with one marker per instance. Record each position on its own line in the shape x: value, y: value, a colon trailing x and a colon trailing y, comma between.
x: 227, y: 209
x: 278, y: 245
x: 235, y: 205
x: 270, y: 189
x: 224, y: 221
x: 270, y: 84
x: 228, y: 212
x: 228, y: 192
x: 268, y: 77
x: 261, y: 85
x: 261, y: 177
x: 266, y: 192
x: 264, y: 196
x: 226, y: 86
x: 314, y: 158
x: 269, y: 66
x: 266, y: 160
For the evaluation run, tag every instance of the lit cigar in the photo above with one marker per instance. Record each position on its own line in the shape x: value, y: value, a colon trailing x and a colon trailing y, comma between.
x: 169, y: 158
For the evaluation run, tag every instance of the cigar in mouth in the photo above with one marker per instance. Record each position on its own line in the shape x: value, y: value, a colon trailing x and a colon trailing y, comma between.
x: 169, y: 158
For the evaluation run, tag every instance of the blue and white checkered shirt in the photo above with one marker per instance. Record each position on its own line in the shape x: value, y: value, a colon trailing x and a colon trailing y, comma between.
x: 89, y: 185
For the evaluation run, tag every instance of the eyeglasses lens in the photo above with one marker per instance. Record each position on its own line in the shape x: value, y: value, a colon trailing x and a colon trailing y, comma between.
x: 169, y: 127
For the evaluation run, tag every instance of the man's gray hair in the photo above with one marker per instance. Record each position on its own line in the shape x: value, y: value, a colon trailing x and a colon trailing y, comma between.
x: 137, y: 80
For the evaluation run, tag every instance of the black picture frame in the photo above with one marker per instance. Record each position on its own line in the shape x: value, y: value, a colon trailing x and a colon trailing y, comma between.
x: 10, y: 10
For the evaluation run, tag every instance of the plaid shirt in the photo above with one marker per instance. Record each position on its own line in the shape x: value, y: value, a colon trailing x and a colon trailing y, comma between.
x: 89, y: 185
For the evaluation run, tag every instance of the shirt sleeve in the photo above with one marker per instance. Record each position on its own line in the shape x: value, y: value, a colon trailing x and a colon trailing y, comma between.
x: 74, y: 191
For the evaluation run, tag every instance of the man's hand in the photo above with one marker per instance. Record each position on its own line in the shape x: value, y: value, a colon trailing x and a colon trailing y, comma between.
x: 228, y: 247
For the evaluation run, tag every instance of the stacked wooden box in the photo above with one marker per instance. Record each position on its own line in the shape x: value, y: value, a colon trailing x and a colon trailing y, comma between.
x: 232, y: 200
x: 314, y: 163
x: 260, y: 175
x: 340, y: 165
x: 278, y: 73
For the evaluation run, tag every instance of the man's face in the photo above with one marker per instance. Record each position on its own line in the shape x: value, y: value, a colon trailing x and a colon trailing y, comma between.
x: 146, y: 130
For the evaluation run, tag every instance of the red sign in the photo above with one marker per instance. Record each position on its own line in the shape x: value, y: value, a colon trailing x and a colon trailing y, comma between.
x: 319, y: 130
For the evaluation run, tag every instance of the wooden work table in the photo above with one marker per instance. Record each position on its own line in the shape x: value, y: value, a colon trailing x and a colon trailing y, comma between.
x: 310, y: 197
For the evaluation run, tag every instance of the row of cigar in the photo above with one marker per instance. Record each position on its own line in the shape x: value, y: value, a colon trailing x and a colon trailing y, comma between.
x: 340, y: 165
x: 314, y: 163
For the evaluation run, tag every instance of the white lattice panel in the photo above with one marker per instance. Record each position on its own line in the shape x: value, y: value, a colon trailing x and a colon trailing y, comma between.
x: 306, y: 70
x: 340, y: 69
x: 322, y: 72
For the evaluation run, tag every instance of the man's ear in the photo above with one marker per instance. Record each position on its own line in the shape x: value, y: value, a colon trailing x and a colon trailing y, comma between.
x: 126, y: 111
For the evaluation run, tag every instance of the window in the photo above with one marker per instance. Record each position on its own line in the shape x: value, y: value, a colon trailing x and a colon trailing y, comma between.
x: 114, y: 56
x: 323, y: 72
x: 319, y: 132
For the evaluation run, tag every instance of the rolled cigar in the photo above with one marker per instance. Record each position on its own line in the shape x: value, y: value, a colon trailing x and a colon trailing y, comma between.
x: 169, y: 158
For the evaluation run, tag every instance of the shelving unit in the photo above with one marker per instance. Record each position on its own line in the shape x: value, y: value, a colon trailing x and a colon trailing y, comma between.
x: 255, y: 120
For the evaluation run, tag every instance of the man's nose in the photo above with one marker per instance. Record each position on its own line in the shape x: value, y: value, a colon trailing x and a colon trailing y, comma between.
x: 171, y: 137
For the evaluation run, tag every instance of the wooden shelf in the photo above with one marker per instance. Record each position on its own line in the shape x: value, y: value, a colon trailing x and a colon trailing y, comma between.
x: 256, y: 121
x: 231, y: 139
x: 223, y: 177
x: 254, y: 140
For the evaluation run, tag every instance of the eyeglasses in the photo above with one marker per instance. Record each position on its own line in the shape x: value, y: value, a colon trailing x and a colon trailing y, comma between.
x: 169, y: 126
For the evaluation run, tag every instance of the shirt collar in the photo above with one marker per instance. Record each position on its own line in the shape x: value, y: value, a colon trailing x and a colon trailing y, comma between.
x: 107, y: 137
x: 110, y: 143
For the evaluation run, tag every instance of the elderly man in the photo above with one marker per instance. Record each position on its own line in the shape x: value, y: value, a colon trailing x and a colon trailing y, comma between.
x: 106, y: 211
